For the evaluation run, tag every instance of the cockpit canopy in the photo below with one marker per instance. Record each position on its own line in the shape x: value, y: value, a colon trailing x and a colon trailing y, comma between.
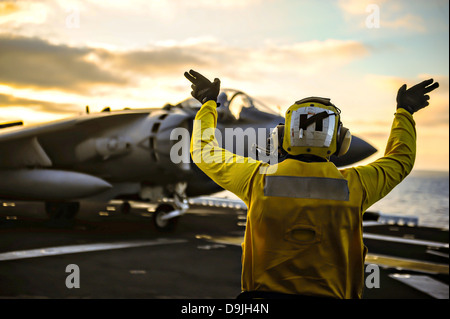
x: 235, y: 106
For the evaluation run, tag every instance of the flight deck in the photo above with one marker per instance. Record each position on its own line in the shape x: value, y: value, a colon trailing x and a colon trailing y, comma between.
x: 126, y: 257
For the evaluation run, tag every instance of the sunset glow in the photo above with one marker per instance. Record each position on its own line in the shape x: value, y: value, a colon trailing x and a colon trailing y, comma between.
x: 56, y: 57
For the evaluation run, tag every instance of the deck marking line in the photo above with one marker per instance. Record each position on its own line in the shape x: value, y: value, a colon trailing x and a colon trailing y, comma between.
x: 405, y: 240
x: 408, y: 264
x: 425, y: 284
x: 71, y: 249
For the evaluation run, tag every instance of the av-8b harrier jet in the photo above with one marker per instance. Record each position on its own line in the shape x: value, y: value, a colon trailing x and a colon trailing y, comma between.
x: 127, y: 155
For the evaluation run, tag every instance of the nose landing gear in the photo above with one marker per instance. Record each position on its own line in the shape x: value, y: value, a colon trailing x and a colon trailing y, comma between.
x: 166, y: 215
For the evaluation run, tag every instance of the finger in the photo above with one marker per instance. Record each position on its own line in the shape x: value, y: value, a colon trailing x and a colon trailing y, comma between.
x: 189, y: 77
x: 426, y: 82
x: 402, y: 89
x: 193, y: 87
x: 432, y: 87
x: 422, y: 85
x: 426, y: 97
x: 196, y: 74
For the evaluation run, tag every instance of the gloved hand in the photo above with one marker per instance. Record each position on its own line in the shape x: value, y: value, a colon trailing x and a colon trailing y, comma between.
x: 202, y: 88
x: 415, y: 98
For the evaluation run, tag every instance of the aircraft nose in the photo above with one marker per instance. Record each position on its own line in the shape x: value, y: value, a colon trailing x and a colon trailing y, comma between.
x: 359, y: 150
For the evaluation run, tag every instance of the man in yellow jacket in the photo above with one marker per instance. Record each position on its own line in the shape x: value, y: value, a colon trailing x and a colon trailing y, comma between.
x: 303, y: 235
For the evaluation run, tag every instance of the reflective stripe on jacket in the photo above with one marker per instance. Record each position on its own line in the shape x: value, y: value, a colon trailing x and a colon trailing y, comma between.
x: 304, y: 222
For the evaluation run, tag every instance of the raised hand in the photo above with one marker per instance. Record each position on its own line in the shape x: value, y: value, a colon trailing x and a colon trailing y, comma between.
x: 203, y: 89
x: 415, y: 98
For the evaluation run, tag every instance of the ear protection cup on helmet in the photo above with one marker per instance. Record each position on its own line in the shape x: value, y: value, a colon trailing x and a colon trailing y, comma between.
x: 280, y: 129
x: 343, y: 140
x: 276, y: 146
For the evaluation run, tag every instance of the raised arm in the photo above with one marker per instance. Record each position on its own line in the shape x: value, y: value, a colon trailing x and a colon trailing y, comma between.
x: 380, y: 177
x: 230, y: 171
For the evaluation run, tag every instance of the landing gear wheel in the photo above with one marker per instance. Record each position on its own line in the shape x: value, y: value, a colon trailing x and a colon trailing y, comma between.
x: 125, y: 208
x: 167, y: 225
x: 62, y: 213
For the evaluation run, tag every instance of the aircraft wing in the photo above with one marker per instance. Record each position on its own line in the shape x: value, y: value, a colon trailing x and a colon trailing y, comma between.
x: 41, y: 162
x: 15, y: 133
x: 22, y: 146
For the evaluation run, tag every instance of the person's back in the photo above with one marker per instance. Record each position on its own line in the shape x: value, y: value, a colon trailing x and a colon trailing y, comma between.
x: 304, y: 224
x: 300, y: 238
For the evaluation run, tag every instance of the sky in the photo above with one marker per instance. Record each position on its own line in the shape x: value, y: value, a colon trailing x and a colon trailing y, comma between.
x: 58, y: 56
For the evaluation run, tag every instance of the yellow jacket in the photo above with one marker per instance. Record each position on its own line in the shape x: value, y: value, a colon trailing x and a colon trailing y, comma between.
x: 304, y: 222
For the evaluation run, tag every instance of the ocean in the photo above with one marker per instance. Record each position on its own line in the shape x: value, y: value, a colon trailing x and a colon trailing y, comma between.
x: 423, y: 194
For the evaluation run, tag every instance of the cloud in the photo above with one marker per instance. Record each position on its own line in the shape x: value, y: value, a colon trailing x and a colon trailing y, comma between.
x: 33, y: 62
x: 37, y: 63
x: 154, y: 74
x: 156, y: 61
x: 16, y: 13
x: 8, y: 8
x: 37, y: 105
x: 408, y: 22
x: 237, y: 62
x: 357, y: 7
x: 167, y: 4
x: 223, y: 3
x: 314, y: 55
